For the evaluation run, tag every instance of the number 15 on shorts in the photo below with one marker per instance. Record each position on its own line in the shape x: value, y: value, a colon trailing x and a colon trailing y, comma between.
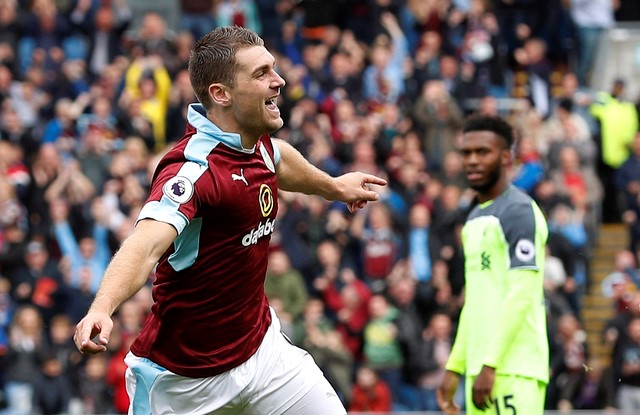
x: 504, y: 405
x: 518, y: 395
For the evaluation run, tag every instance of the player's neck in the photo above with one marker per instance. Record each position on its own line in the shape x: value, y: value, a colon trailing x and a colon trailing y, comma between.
x: 229, y: 125
x: 496, y: 190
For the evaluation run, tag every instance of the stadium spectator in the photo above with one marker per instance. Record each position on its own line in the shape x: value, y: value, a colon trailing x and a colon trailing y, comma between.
x: 439, y: 118
x: 596, y: 390
x: 51, y: 388
x: 94, y: 157
x: 622, y: 281
x: 626, y: 365
x: 12, y: 126
x: 238, y: 13
x: 60, y: 344
x: 627, y: 181
x: 555, y: 279
x: 342, y: 76
x: 285, y: 284
x: 413, y: 311
x: 569, y: 356
x: 592, y: 19
x: 148, y: 84
x: 528, y: 168
x: 580, y: 184
x: 46, y: 38
x: 616, y: 334
x: 88, y: 251
x: 116, y: 370
x: 103, y: 28
x: 383, y: 79
x: 13, y: 227
x: 618, y: 120
x: 99, y: 116
x: 569, y: 223
x: 21, y: 363
x: 7, y: 308
x: 381, y: 348
x: 197, y: 16
x: 532, y: 56
x: 80, y: 296
x: 291, y: 238
x: 446, y: 216
x: 381, y: 245
x: 39, y: 282
x: 95, y: 392
x: 421, y: 243
x: 370, y: 393
x: 428, y: 355
x: 408, y: 185
x: 451, y: 172
x: 565, y: 127
x: 44, y: 169
x: 180, y: 97
x: 154, y: 38
x: 317, y: 334
x: 347, y: 298
x: 581, y: 96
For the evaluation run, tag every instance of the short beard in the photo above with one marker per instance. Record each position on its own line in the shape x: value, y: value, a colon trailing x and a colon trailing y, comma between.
x: 491, y: 181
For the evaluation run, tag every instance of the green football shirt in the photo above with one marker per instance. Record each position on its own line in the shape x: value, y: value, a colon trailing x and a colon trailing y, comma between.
x: 503, y: 320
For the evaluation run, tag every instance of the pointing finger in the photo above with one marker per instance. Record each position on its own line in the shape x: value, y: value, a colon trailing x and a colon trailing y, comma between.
x: 371, y: 179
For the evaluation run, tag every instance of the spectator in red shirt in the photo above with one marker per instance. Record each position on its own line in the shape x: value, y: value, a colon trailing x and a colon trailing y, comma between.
x: 347, y: 298
x: 369, y: 393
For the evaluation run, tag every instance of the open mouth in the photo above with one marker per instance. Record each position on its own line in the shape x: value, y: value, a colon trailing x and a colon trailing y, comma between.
x: 271, y: 105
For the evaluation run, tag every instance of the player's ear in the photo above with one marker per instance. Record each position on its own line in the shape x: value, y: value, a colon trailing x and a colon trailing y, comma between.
x: 507, y: 155
x: 219, y: 94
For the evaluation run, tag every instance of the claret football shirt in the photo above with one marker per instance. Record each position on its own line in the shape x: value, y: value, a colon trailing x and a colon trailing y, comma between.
x: 210, y: 311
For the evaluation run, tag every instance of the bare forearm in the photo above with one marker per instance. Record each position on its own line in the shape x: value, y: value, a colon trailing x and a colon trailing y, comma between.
x: 296, y: 174
x: 125, y: 275
x: 132, y: 264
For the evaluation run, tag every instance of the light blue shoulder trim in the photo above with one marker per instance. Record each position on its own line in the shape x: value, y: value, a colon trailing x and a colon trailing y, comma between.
x: 211, y: 133
x: 187, y: 246
x: 167, y: 209
x: 276, y: 151
x: 164, y: 210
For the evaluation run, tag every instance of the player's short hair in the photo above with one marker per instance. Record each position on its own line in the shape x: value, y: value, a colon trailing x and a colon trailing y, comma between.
x: 496, y: 125
x: 213, y: 58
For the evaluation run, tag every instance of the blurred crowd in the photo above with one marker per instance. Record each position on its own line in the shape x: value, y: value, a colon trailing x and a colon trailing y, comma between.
x: 90, y: 102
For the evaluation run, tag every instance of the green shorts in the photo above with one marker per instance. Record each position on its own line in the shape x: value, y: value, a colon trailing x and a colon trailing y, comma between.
x: 514, y: 395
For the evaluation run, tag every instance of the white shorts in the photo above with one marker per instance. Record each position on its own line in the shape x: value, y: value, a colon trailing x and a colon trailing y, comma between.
x: 278, y: 379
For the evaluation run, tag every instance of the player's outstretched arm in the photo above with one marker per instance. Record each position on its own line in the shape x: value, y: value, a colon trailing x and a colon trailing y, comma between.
x: 296, y: 174
x: 125, y: 275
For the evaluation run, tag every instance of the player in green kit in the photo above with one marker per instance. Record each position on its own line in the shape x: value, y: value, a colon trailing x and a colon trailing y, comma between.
x: 501, y: 346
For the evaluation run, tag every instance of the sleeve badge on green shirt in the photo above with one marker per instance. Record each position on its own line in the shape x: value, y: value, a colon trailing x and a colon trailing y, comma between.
x: 525, y: 250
